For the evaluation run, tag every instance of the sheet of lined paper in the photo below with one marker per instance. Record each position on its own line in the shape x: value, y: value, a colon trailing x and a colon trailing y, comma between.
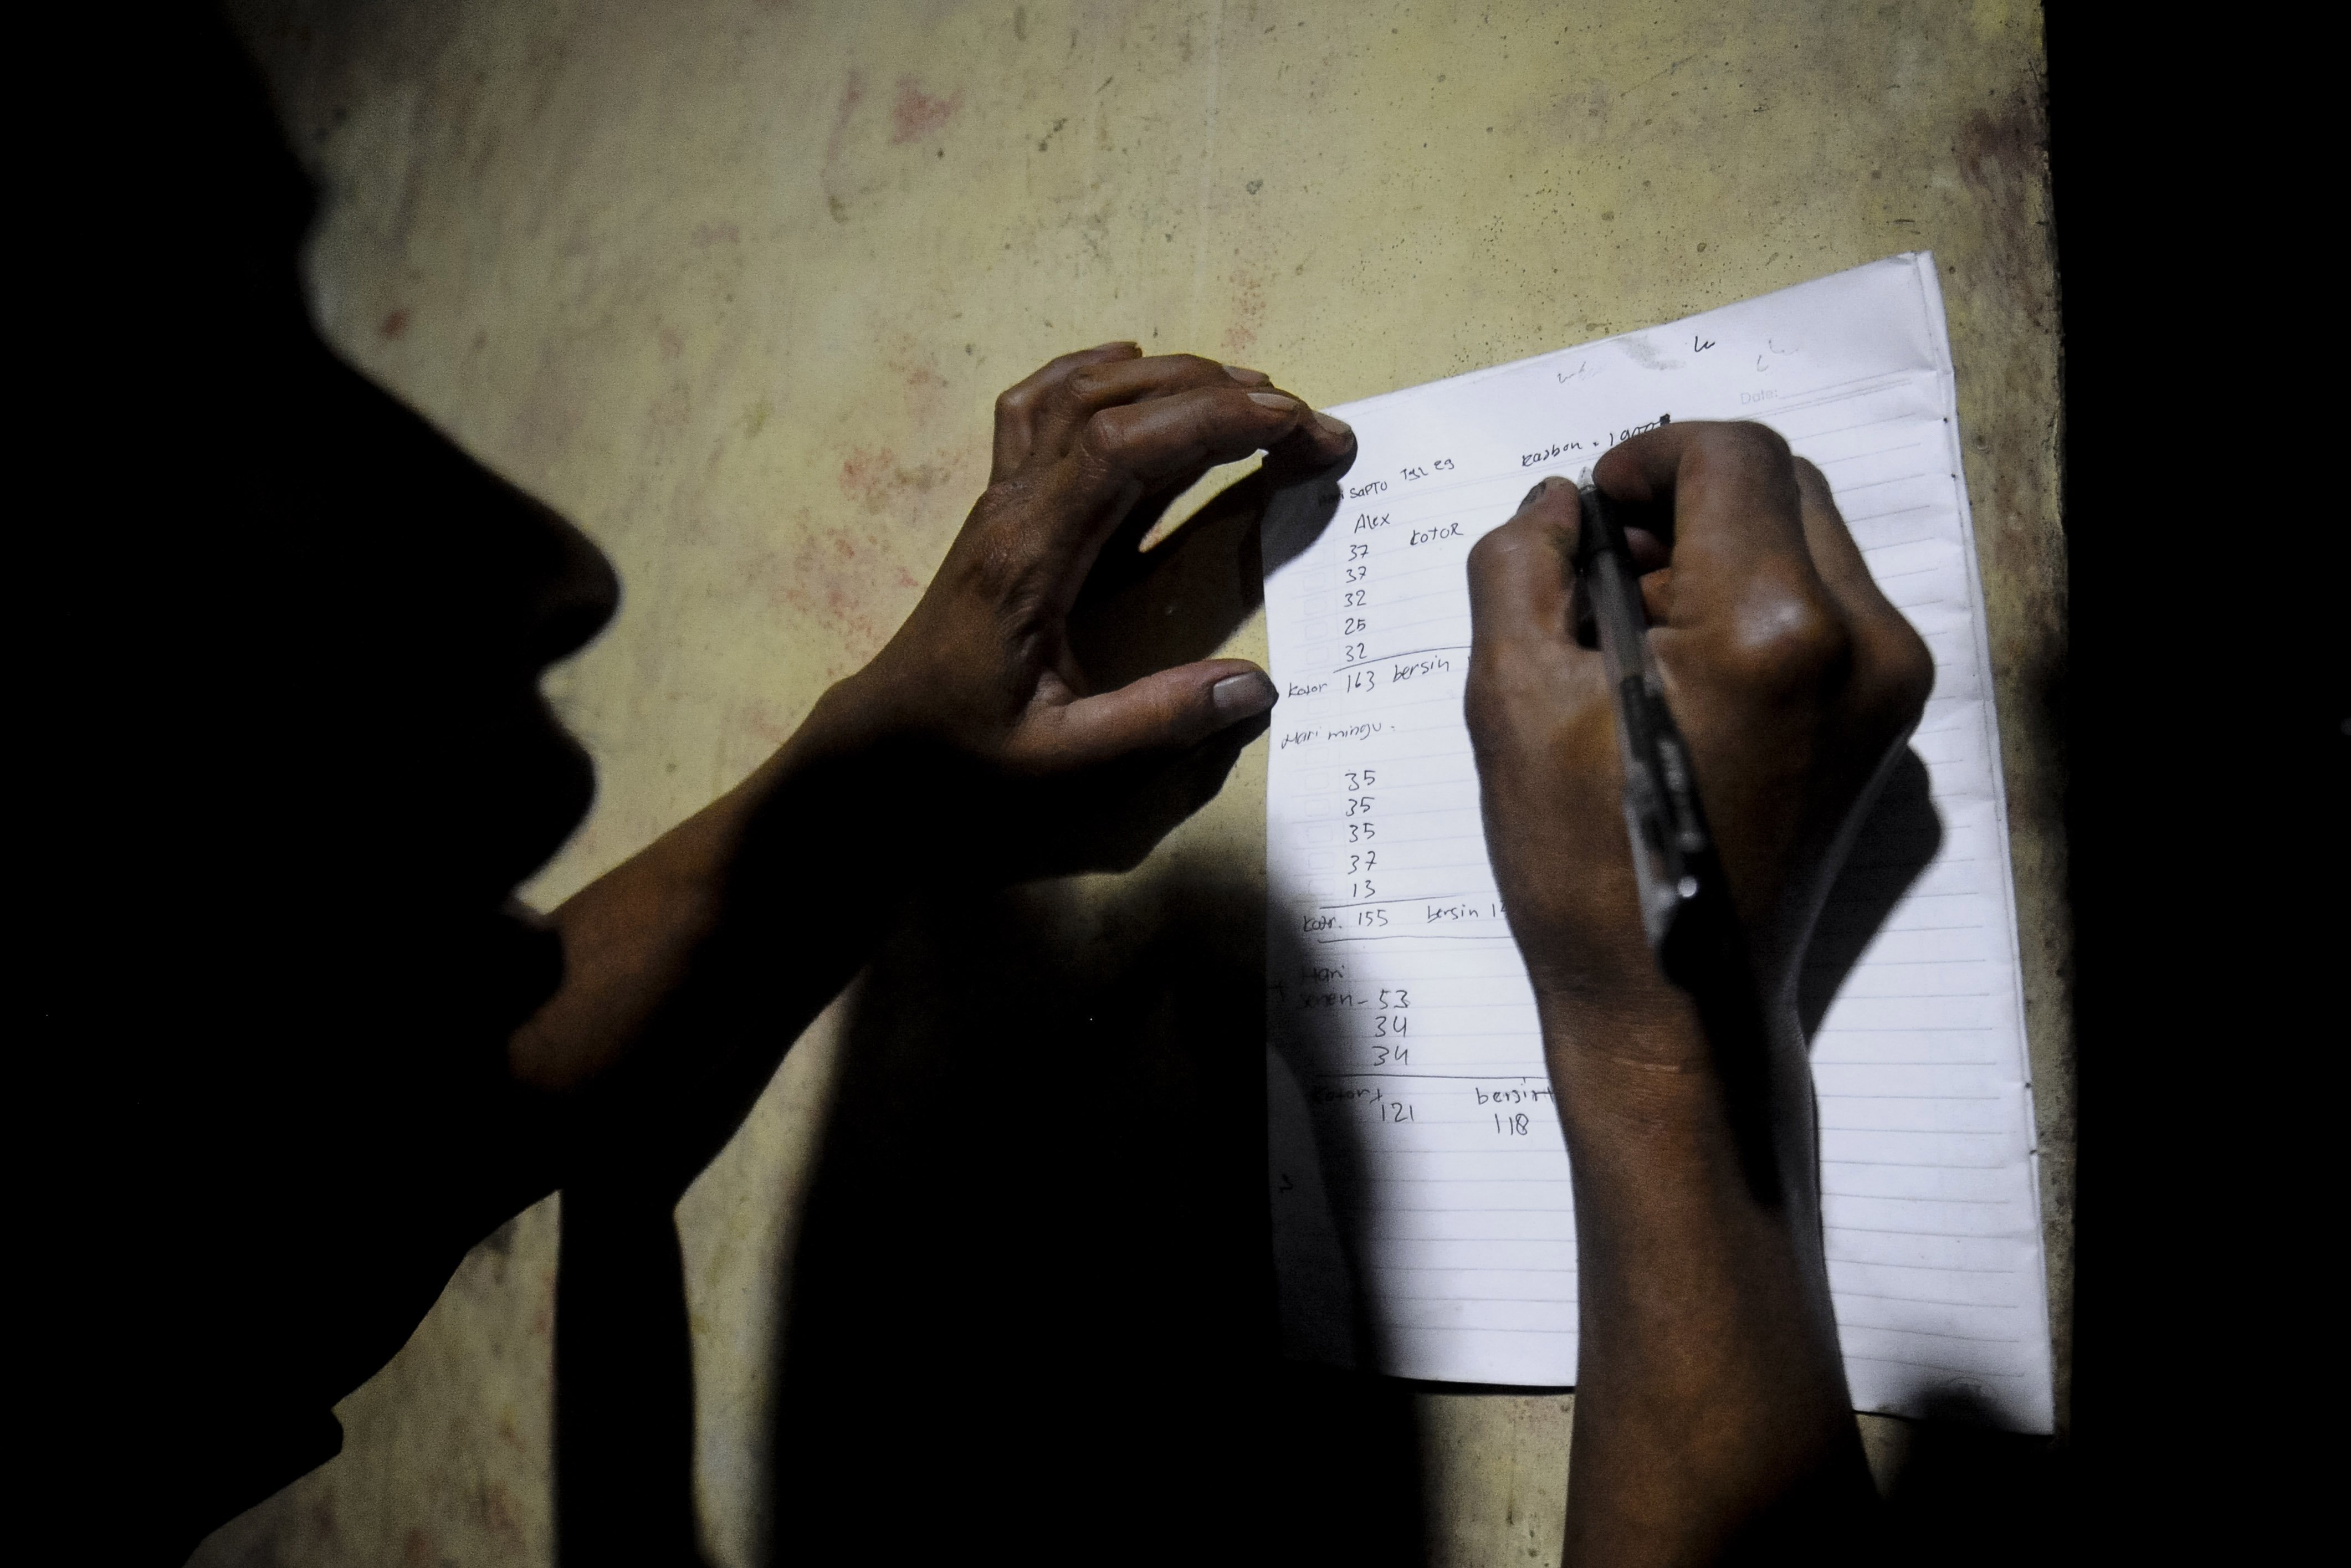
x: 1423, y: 1220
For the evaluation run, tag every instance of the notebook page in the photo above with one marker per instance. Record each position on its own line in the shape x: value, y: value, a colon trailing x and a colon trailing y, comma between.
x: 1419, y: 1181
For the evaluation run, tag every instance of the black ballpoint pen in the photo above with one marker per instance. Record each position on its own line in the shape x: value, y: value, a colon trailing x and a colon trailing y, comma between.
x: 1685, y: 907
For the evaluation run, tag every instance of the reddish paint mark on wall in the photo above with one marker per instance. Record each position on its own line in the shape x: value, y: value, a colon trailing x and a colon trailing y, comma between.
x: 845, y: 580
x: 878, y: 481
x: 1248, y: 312
x: 916, y: 113
x: 865, y: 476
x: 395, y: 324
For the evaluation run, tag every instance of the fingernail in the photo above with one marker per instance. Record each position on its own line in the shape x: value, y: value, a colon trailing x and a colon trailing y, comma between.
x: 1545, y: 483
x: 1238, y: 697
x: 1276, y: 401
x: 1246, y: 376
x: 1330, y: 426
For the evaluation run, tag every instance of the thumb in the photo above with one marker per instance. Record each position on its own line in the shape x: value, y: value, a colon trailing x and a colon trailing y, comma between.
x: 1169, y: 712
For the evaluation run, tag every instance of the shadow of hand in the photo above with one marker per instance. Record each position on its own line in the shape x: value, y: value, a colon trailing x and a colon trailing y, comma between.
x: 1896, y: 842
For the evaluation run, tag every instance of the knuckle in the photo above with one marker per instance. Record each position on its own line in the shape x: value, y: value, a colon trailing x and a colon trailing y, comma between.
x: 1487, y: 553
x: 1896, y: 676
x: 1746, y: 440
x: 1105, y: 437
x: 1813, y: 487
x: 1499, y: 550
x: 1743, y: 451
x: 1786, y: 645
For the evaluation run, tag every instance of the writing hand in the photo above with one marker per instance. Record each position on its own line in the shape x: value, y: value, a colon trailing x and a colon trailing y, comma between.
x: 1792, y: 679
x: 983, y: 686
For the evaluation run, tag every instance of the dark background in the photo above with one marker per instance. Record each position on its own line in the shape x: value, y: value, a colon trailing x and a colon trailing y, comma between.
x: 2203, y: 710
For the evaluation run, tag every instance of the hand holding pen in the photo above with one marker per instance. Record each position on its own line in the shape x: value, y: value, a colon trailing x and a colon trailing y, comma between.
x: 1684, y: 692
x: 1779, y: 683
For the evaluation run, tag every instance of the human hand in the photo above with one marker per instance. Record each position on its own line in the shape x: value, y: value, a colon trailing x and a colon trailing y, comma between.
x: 1794, y: 683
x: 983, y: 686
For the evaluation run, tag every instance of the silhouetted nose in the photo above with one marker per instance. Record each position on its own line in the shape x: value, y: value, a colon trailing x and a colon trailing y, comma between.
x: 579, y: 595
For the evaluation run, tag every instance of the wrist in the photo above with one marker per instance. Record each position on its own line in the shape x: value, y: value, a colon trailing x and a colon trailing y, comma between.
x: 1639, y: 1076
x: 1609, y: 1057
x: 1622, y: 1039
x: 824, y: 817
x: 1621, y: 1006
x: 856, y: 720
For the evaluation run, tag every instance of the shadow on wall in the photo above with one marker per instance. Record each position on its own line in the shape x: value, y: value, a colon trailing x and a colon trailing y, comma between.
x: 1964, y: 1494
x: 1033, y: 1302
x: 623, y: 1385
x: 1033, y: 1309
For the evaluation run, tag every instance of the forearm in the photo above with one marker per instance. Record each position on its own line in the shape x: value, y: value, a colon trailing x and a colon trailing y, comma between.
x: 1711, y: 1417
x: 691, y: 967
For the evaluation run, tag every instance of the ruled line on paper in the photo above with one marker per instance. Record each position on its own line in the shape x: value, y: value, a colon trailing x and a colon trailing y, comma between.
x: 1916, y: 1267
x: 1852, y: 1356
